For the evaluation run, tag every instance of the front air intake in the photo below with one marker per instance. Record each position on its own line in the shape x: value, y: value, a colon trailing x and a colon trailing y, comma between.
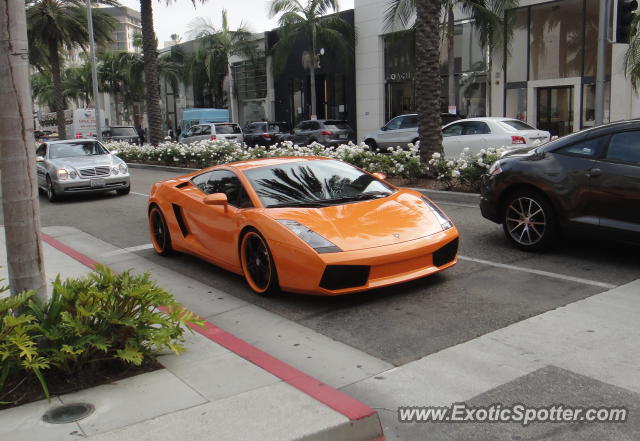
x: 344, y: 276
x: 446, y: 254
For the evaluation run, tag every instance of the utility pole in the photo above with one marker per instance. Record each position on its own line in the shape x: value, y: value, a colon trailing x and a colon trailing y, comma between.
x: 94, y: 73
x: 17, y: 155
x: 603, y: 26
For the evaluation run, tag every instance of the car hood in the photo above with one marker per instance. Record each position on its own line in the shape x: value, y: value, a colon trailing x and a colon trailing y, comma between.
x: 86, y: 161
x: 401, y: 217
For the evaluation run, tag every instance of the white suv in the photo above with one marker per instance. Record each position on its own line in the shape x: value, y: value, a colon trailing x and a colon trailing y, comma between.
x: 400, y: 131
x: 212, y: 132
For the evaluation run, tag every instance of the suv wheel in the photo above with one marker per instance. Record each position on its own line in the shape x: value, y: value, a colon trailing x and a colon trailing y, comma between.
x: 373, y: 146
x: 528, y: 221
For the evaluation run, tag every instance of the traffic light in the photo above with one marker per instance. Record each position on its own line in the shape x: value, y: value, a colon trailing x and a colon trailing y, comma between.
x: 625, y: 13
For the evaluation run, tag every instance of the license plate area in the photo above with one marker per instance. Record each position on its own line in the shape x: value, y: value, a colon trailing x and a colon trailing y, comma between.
x: 342, y: 136
x: 98, y: 182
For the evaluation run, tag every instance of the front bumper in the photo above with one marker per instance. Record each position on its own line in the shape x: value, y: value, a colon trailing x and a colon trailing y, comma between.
x: 489, y: 203
x: 325, y: 274
x: 99, y: 184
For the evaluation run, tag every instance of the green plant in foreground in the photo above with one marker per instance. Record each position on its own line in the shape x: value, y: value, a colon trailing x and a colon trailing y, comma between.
x: 108, y: 316
x: 19, y: 352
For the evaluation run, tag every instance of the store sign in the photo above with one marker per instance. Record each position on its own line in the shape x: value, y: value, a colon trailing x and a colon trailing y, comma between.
x: 399, y: 76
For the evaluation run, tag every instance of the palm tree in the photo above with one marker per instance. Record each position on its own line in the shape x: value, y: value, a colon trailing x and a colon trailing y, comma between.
x: 77, y: 84
x: 111, y: 78
x: 57, y: 25
x: 217, y: 48
x: 150, y: 51
x: 632, y: 56
x: 310, y: 22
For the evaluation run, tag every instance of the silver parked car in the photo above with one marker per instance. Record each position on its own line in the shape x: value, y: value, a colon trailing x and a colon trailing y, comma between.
x: 212, y: 131
x: 79, y: 166
x: 328, y: 132
x: 400, y: 131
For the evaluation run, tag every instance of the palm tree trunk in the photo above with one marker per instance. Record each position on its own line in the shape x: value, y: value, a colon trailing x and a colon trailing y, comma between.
x: 451, y: 60
x: 116, y: 96
x: 58, y: 99
x: 231, y: 103
x: 428, y: 77
x: 150, y: 56
x: 17, y: 162
x: 312, y: 73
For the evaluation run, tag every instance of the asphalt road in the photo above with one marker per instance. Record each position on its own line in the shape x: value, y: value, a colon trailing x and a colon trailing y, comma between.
x: 400, y: 323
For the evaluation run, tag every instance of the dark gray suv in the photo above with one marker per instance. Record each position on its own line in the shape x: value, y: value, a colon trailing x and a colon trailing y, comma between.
x: 328, y: 132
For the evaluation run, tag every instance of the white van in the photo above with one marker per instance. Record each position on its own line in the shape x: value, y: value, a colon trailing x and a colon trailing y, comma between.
x: 83, y: 124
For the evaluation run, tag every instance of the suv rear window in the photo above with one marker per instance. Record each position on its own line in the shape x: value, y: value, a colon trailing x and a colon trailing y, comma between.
x: 279, y: 128
x: 226, y: 129
x: 337, y: 125
x: 123, y: 131
x: 516, y: 124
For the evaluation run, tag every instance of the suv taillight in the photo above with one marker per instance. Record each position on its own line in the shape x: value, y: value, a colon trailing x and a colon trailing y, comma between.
x: 518, y: 140
x: 266, y: 136
x: 213, y: 138
x: 326, y: 133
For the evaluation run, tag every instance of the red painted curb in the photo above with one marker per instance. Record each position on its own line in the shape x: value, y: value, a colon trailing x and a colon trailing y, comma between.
x: 336, y: 400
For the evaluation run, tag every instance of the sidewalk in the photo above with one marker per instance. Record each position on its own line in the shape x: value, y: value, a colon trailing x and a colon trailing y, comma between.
x: 220, y: 389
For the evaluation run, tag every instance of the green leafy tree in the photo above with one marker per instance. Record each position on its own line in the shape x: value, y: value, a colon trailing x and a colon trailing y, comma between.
x: 150, y: 51
x: 310, y: 21
x: 217, y: 46
x: 632, y: 56
x: 56, y: 26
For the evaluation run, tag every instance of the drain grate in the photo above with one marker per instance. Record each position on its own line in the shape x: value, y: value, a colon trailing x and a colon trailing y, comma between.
x: 68, y: 413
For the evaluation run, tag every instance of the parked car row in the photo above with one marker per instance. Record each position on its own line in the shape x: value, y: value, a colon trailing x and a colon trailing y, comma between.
x: 474, y: 133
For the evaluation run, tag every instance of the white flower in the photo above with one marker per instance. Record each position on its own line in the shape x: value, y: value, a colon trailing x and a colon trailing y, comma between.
x: 455, y: 174
x: 436, y: 155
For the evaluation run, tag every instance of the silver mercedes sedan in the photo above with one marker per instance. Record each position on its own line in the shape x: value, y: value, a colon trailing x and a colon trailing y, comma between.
x: 79, y: 166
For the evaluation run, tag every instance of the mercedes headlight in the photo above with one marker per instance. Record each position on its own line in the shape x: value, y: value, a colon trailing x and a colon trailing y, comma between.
x: 62, y: 174
x: 122, y: 167
x: 439, y: 214
x: 313, y: 239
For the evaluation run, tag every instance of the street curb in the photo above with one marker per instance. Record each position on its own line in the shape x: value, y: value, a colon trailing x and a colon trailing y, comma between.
x: 168, y: 168
x: 364, y: 422
x: 451, y: 196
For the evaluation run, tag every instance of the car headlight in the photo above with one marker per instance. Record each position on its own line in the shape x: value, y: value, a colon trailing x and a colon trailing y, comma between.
x: 439, y: 214
x: 495, y: 168
x: 122, y: 167
x: 115, y: 170
x: 313, y: 239
x: 62, y: 174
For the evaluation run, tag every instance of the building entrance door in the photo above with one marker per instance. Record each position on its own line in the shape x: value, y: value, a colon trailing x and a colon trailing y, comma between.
x: 555, y: 109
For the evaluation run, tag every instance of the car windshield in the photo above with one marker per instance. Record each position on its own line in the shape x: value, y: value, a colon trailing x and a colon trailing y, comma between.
x: 314, y: 183
x: 123, y: 131
x: 71, y: 149
x: 226, y: 129
x: 518, y: 125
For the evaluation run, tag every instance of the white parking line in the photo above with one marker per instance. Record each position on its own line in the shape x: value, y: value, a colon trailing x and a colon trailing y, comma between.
x: 140, y: 194
x: 146, y: 246
x: 539, y: 272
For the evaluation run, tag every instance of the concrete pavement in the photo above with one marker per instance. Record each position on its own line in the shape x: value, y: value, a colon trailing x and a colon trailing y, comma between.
x: 222, y: 388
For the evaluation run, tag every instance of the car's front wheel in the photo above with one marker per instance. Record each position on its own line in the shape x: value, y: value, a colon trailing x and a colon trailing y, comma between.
x: 528, y: 221
x: 257, y: 263
x: 160, y: 236
x: 51, y: 191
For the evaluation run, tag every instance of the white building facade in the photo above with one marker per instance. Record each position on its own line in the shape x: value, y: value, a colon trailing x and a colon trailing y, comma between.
x: 546, y: 77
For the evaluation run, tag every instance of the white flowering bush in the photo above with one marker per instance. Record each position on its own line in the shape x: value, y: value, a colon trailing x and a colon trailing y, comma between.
x: 466, y: 171
x: 396, y: 162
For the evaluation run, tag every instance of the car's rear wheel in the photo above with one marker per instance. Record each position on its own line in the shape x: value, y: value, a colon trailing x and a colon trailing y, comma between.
x: 51, y: 191
x: 257, y: 263
x: 528, y: 221
x: 373, y: 146
x: 160, y: 236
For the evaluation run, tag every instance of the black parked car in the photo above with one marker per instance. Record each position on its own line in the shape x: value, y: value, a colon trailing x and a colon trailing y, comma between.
x: 328, y: 132
x: 266, y: 133
x: 588, y: 180
x: 121, y: 133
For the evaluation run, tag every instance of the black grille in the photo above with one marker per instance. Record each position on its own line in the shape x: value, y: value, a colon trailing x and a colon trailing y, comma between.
x: 95, y: 171
x: 446, y: 254
x: 344, y: 276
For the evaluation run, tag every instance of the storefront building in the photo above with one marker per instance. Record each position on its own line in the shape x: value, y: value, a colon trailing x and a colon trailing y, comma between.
x: 546, y: 76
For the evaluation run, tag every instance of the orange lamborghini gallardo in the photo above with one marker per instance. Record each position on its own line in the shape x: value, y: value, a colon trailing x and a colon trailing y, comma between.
x: 307, y: 225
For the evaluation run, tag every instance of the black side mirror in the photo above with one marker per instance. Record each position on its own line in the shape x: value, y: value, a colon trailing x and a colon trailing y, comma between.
x: 383, y: 128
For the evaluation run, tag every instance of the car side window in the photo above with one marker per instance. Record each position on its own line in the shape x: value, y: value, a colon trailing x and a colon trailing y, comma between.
x: 475, y: 128
x: 584, y: 149
x: 224, y: 181
x: 205, y: 130
x: 624, y: 147
x: 453, y: 130
x: 395, y: 123
x: 409, y: 122
x: 200, y: 181
x: 42, y: 150
x: 314, y: 125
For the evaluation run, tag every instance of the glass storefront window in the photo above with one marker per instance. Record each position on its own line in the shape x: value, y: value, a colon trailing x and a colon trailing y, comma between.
x: 516, y: 105
x: 556, y: 40
x: 591, y: 40
x: 471, y: 92
x: 467, y: 50
x: 399, y: 54
x: 518, y: 19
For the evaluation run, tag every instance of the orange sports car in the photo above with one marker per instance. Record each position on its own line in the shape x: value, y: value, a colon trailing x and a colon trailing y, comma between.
x: 308, y: 225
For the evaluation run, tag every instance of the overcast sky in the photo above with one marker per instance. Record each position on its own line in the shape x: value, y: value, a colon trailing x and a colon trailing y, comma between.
x: 175, y: 19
